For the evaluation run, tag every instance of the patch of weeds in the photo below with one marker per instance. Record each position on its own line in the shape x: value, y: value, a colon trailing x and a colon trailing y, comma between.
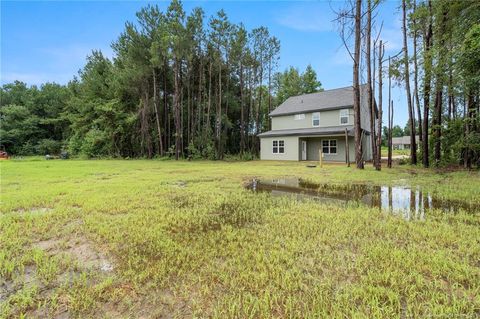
x: 240, y: 210
x: 19, y: 303
x: 84, y: 293
x: 236, y: 210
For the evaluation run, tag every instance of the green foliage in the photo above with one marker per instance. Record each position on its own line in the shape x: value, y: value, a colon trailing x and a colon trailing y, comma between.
x: 310, y: 84
x: 469, y: 57
x: 291, y: 83
x: 49, y: 146
x: 95, y: 143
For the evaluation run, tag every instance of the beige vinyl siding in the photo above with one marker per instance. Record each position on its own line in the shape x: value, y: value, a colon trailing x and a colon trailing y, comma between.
x: 327, y: 118
x: 367, y: 147
x: 291, y: 148
x: 364, y: 112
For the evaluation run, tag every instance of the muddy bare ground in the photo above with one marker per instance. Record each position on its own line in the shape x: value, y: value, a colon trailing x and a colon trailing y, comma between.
x: 38, y: 210
x: 83, y: 257
x: 81, y: 249
x: 157, y: 303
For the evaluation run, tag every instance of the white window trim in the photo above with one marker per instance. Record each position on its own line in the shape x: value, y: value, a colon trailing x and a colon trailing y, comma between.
x: 313, y: 117
x: 278, y: 147
x: 301, y: 116
x: 336, y: 146
x: 348, y: 117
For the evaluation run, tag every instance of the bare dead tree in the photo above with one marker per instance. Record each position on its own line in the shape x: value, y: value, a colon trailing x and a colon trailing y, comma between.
x: 346, y: 30
x: 370, y: 103
x: 390, y: 116
x: 381, y: 52
x: 356, y: 87
x: 427, y: 42
x: 411, y: 116
x: 415, y: 75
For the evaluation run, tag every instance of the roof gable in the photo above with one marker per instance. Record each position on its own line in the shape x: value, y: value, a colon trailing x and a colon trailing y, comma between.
x: 325, y: 100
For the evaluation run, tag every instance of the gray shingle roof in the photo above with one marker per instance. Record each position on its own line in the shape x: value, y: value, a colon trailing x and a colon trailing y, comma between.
x: 326, y: 100
x: 310, y: 131
x: 404, y: 140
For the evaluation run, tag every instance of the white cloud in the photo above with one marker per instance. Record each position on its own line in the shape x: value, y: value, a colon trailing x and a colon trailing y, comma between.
x: 310, y: 17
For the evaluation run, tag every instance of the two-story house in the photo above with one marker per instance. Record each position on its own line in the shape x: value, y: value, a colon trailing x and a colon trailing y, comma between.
x: 304, y: 124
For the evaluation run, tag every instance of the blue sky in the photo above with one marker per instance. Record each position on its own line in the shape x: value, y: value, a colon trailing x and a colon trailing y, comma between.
x: 48, y: 41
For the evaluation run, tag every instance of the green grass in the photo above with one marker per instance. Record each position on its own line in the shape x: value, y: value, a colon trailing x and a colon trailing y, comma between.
x: 186, y: 240
x: 395, y: 152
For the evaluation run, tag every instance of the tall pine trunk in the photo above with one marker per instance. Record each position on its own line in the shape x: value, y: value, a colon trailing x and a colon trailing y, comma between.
x: 440, y: 69
x: 242, y: 112
x: 356, y: 87
x: 371, y: 105
x: 380, y: 111
x: 427, y: 85
x: 218, y: 119
x: 209, y: 104
x: 157, y: 112
x: 415, y: 77
x: 176, y: 105
x: 390, y: 116
x: 257, y: 112
x: 269, y: 91
x: 411, y: 115
x: 166, y: 122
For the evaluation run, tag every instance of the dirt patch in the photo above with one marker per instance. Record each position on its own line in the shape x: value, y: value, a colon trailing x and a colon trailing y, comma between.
x: 81, y: 249
x: 7, y: 287
x: 160, y: 303
x: 180, y: 184
x: 36, y: 210
x: 85, y: 257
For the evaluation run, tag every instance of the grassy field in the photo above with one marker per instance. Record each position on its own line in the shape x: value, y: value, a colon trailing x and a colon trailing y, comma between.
x: 163, y: 239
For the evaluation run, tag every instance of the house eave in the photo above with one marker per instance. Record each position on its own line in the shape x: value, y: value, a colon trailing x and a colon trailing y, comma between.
x: 350, y: 132
x: 311, y: 110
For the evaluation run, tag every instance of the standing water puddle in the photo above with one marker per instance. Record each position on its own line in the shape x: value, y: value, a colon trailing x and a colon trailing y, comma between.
x: 409, y: 202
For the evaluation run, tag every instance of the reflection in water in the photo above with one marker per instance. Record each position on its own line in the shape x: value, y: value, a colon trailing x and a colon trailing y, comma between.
x: 410, y: 203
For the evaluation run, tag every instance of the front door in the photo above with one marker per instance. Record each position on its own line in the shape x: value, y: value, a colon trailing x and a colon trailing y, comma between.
x: 304, y: 150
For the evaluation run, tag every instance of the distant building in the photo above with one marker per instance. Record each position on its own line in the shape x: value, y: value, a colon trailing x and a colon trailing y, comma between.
x: 403, y: 142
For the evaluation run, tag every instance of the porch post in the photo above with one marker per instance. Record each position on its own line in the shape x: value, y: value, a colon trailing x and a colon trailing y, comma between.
x: 320, y: 156
x: 347, y: 149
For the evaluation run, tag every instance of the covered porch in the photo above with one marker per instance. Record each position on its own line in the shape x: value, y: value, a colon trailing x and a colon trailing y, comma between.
x: 337, y: 144
x: 334, y: 148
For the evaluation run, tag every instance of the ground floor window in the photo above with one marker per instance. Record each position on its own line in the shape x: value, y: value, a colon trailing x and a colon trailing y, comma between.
x: 278, y: 147
x: 329, y: 147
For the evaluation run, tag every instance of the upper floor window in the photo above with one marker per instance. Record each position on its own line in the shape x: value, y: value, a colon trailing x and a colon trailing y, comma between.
x: 344, y: 116
x: 278, y: 147
x: 316, y: 119
x: 299, y: 116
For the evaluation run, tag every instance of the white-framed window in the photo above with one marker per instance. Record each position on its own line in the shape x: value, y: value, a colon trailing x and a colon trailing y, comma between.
x: 316, y: 119
x: 278, y: 147
x: 329, y: 147
x: 344, y: 118
x: 299, y: 117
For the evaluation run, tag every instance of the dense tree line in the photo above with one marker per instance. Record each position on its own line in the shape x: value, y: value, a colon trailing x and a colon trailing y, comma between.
x: 444, y: 66
x: 178, y: 85
x: 439, y: 67
x: 446, y: 76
